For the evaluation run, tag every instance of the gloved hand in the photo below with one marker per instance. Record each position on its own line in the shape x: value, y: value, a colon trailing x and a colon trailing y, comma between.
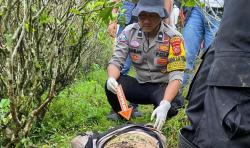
x: 112, y: 85
x: 176, y: 13
x: 174, y: 16
x: 161, y: 113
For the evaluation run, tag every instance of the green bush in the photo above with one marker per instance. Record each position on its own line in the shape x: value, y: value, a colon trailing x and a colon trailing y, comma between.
x: 4, y: 116
x: 83, y: 107
x: 76, y: 106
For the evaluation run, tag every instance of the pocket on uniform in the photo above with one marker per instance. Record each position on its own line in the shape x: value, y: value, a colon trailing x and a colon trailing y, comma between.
x: 161, y: 62
x: 236, y: 120
x: 136, y: 53
x: 136, y: 58
x: 161, y: 59
x: 231, y: 122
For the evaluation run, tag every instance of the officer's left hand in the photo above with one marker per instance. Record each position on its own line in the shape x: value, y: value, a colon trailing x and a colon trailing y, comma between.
x: 161, y: 113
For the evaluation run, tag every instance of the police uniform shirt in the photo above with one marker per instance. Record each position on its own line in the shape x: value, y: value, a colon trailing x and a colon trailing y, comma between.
x: 157, y: 60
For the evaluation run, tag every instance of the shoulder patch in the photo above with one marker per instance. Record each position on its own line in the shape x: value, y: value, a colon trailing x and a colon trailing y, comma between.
x: 122, y: 38
x: 176, y: 57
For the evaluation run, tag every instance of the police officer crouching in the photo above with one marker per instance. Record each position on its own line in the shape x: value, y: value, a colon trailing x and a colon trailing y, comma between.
x: 158, y: 56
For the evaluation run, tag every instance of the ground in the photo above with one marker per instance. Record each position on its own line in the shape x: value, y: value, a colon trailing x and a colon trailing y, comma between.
x: 83, y: 107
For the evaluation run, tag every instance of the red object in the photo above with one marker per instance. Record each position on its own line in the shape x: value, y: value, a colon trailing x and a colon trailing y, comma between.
x: 125, y: 112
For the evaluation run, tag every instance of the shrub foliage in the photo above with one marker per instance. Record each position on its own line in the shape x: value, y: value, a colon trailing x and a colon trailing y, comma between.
x: 43, y: 44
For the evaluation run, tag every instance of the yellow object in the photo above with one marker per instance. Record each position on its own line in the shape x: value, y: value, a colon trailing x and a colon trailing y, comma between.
x: 176, y: 57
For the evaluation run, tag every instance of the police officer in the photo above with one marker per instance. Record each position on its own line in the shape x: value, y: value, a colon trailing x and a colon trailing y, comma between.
x: 128, y: 6
x: 125, y: 18
x: 158, y: 56
x: 220, y: 93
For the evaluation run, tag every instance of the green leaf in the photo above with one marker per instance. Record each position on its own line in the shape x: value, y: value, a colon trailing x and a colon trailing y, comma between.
x: 202, y: 5
x: 75, y: 11
x: 190, y: 3
x: 4, y: 103
x: 45, y: 18
x: 106, y: 15
x: 98, y: 4
x: 27, y: 26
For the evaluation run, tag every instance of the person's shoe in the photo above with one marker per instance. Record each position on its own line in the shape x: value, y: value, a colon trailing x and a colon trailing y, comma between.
x: 172, y: 112
x: 177, y: 103
x: 113, y: 116
x: 136, y: 113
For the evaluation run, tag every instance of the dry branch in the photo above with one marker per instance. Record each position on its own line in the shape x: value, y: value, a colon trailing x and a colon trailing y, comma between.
x: 42, y: 46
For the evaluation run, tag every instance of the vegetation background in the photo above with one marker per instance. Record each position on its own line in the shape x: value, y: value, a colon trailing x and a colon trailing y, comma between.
x: 52, y: 72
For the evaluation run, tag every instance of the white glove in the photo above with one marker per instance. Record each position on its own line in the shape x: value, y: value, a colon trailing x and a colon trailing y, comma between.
x: 161, y: 113
x: 112, y: 85
x: 174, y: 16
x: 176, y: 13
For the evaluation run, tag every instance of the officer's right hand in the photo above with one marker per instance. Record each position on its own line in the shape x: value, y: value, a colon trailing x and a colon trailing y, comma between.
x: 161, y: 113
x: 112, y: 85
x: 112, y: 28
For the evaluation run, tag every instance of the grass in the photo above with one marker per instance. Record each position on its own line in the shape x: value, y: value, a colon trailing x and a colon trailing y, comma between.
x: 83, y: 107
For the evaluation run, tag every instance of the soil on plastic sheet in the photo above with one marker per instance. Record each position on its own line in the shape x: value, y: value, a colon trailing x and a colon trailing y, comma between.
x: 132, y: 140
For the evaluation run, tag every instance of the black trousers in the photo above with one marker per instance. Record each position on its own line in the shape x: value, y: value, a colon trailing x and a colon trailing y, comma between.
x: 219, y: 115
x: 147, y: 93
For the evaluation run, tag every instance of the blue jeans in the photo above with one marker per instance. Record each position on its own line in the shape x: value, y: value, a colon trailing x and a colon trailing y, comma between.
x: 128, y: 16
x: 198, y: 28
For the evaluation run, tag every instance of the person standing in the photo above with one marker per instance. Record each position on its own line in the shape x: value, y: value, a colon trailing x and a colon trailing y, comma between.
x: 219, y: 97
x: 200, y: 28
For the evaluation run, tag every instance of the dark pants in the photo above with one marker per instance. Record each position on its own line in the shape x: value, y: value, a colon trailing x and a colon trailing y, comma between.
x: 147, y: 93
x: 219, y: 115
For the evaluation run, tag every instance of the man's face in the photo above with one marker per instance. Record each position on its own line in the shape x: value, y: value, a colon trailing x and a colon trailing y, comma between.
x: 149, y: 21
